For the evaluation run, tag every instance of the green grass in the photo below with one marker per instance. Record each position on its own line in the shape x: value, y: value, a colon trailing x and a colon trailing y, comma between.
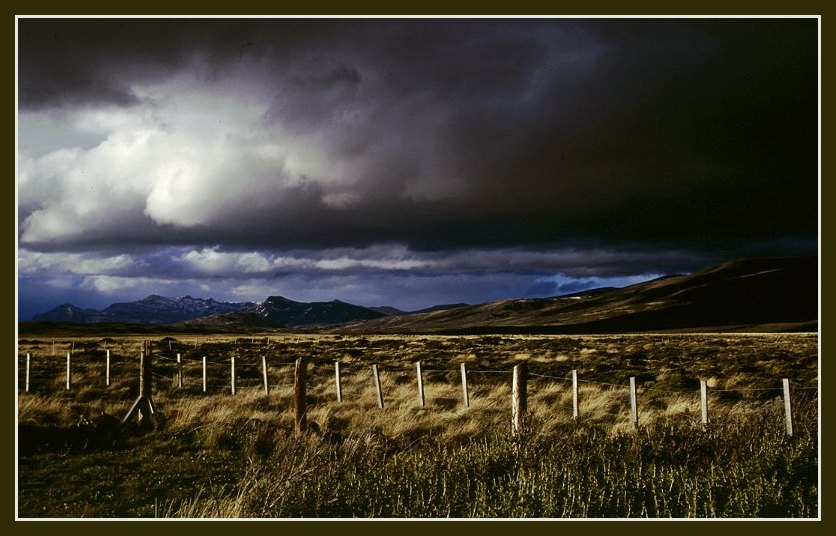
x: 218, y: 455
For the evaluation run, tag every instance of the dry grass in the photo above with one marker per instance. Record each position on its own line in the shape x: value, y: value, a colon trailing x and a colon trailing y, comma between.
x: 743, y: 374
x: 738, y: 369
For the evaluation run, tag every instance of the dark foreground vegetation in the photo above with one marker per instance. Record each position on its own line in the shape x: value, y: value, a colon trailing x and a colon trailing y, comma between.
x: 749, y: 469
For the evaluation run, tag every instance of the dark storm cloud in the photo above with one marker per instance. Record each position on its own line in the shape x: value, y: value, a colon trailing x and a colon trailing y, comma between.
x: 65, y: 62
x: 671, y: 134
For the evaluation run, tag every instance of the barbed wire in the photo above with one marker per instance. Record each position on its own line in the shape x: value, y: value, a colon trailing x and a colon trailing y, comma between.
x: 549, y: 377
x: 580, y: 380
x: 746, y: 389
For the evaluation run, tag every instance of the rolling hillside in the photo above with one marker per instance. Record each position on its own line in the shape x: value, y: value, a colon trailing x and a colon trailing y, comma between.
x: 747, y: 295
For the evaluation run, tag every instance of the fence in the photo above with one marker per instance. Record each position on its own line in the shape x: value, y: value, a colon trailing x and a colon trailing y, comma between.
x: 258, y: 373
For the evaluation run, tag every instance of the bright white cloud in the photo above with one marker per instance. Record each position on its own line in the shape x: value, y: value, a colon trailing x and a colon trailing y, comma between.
x: 188, y: 159
x: 73, y: 263
x: 108, y: 284
x: 345, y: 263
x: 210, y: 261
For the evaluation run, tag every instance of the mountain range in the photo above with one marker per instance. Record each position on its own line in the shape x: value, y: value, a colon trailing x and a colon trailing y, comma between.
x: 151, y: 310
x: 746, y: 295
x: 275, y: 311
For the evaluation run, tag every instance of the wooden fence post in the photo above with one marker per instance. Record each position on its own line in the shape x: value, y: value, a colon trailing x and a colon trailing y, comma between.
x: 575, y: 411
x: 264, y: 374
x: 143, y: 406
x: 299, y: 410
x: 634, y: 408
x: 420, y: 376
x: 53, y: 346
x: 464, y: 386
x: 204, y: 374
x: 704, y: 401
x: 107, y: 368
x: 145, y: 370
x: 68, y: 370
x: 377, y: 386
x: 787, y: 406
x: 338, y: 381
x: 146, y: 382
x: 179, y: 372
x: 232, y: 374
x: 27, y: 371
x: 141, y: 372
x: 519, y: 397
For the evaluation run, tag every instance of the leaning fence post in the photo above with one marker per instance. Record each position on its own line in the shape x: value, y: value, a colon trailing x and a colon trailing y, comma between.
x: 68, y: 370
x: 787, y: 406
x: 420, y: 376
x: 338, y: 381
x: 232, y: 374
x: 377, y: 386
x: 264, y: 373
x: 27, y: 371
x: 464, y: 386
x: 204, y: 374
x: 704, y: 401
x: 179, y: 372
x: 575, y: 412
x: 299, y: 409
x: 634, y: 409
x: 519, y: 396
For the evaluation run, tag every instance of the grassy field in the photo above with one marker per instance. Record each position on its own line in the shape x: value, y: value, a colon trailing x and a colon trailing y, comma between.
x: 216, y: 454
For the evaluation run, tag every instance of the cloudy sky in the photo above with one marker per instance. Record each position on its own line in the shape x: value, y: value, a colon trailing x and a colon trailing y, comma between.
x: 405, y: 162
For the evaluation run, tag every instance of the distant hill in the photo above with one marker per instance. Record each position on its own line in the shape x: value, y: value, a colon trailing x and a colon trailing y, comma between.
x: 442, y: 307
x: 388, y: 311
x: 67, y: 312
x: 392, y: 311
x: 151, y: 310
x: 278, y: 311
x: 746, y: 295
